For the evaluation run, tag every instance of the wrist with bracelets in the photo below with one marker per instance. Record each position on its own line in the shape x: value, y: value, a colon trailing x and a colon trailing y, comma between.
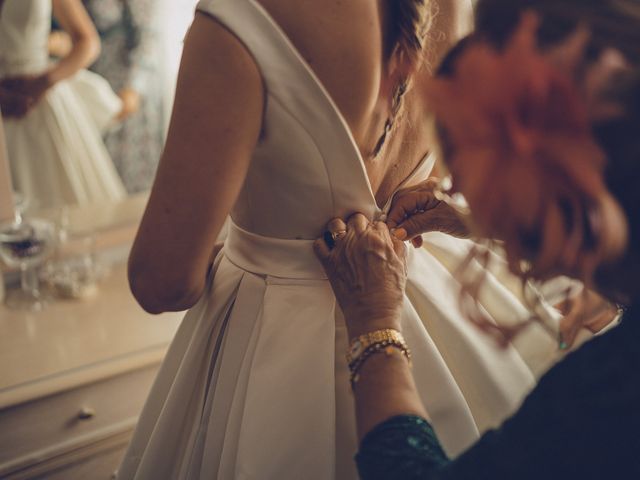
x: 362, y: 348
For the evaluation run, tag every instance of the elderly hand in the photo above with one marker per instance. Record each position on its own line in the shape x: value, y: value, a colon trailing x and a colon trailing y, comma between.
x: 367, y: 270
x: 416, y: 210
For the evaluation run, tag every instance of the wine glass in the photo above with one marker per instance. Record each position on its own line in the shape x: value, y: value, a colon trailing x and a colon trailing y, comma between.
x: 25, y: 245
x: 21, y: 203
x: 74, y: 272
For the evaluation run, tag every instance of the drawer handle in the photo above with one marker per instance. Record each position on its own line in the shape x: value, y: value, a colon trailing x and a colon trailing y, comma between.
x: 86, y: 413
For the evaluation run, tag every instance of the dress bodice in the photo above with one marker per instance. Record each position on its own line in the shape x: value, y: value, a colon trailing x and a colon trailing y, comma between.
x: 24, y: 32
x: 255, y: 384
x: 307, y: 167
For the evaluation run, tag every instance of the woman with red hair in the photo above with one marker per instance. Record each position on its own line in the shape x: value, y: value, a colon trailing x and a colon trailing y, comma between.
x: 537, y: 115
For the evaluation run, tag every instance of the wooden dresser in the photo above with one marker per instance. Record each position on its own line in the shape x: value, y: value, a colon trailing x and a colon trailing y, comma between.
x: 73, y: 380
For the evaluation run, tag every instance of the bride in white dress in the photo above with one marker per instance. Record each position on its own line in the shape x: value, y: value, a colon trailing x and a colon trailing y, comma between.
x: 54, y: 113
x: 279, y: 109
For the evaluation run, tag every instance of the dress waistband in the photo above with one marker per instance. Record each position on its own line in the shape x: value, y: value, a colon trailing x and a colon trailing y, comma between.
x: 275, y: 257
x: 22, y: 65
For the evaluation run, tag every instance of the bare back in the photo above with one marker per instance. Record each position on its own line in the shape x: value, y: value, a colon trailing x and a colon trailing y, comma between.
x: 215, y: 130
x: 343, y: 42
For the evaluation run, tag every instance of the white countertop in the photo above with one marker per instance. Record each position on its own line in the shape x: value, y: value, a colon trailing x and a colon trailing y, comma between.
x: 72, y: 343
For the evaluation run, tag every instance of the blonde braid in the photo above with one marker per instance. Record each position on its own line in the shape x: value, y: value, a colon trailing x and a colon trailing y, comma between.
x: 410, y: 21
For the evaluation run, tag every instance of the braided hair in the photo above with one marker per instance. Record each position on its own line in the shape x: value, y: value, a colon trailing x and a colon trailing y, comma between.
x: 409, y: 22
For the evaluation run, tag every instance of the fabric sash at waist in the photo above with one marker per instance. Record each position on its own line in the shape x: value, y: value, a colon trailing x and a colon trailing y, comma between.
x: 23, y: 65
x: 273, y: 257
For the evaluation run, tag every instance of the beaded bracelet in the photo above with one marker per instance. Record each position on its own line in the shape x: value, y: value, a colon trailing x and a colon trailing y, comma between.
x: 363, y: 347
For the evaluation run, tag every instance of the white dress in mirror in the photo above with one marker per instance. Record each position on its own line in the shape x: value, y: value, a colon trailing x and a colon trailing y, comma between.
x: 56, y: 151
x: 255, y: 384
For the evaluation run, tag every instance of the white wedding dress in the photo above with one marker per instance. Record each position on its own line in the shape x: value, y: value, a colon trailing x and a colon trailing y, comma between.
x: 56, y: 151
x: 255, y: 384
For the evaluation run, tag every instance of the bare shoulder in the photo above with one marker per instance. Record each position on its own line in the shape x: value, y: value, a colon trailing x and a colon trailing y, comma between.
x: 342, y: 42
x: 218, y: 80
x: 206, y: 35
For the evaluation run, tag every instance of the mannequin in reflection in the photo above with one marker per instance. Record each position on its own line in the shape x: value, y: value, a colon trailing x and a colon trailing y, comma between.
x: 131, y: 60
x: 55, y: 112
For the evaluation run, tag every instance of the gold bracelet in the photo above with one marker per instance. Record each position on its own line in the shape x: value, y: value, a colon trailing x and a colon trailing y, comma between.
x: 360, y: 344
x: 363, y: 347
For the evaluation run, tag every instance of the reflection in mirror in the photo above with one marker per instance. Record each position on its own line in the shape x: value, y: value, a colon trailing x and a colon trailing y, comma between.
x: 85, y: 124
x: 131, y: 61
x: 7, y: 210
x: 55, y: 112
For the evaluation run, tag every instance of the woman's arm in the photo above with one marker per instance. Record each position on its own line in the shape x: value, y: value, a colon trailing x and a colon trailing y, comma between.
x: 367, y: 271
x: 386, y: 389
x: 215, y: 126
x: 19, y: 94
x: 581, y: 421
x: 74, y: 20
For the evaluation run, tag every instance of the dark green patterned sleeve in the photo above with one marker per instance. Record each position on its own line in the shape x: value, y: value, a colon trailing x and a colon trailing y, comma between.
x: 580, y: 422
x: 403, y: 447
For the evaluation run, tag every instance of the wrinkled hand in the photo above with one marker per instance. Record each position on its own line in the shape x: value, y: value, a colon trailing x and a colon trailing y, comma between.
x: 587, y: 310
x: 416, y: 210
x: 18, y: 95
x: 367, y: 270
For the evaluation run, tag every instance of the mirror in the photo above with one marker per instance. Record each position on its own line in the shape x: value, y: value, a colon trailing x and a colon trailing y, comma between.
x: 91, y: 138
x: 7, y: 208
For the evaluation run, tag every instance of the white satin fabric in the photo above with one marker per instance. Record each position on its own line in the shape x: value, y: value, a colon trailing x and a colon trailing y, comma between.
x: 255, y: 384
x: 56, y: 151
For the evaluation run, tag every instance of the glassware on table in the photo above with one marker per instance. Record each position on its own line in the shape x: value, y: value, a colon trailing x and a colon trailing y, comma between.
x: 21, y: 203
x: 25, y: 245
x: 63, y: 222
x: 74, y: 272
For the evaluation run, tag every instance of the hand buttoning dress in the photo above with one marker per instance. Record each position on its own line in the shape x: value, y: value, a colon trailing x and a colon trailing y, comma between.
x: 255, y: 384
x: 56, y: 152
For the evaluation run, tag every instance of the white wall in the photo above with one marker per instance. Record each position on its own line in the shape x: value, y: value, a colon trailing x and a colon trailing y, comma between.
x: 176, y: 17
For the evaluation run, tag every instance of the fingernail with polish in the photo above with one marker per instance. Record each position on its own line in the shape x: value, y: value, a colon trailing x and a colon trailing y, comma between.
x: 561, y: 343
x: 400, y: 234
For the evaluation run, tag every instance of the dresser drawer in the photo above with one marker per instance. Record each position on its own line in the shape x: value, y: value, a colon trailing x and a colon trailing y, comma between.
x: 103, y: 466
x: 40, y: 431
